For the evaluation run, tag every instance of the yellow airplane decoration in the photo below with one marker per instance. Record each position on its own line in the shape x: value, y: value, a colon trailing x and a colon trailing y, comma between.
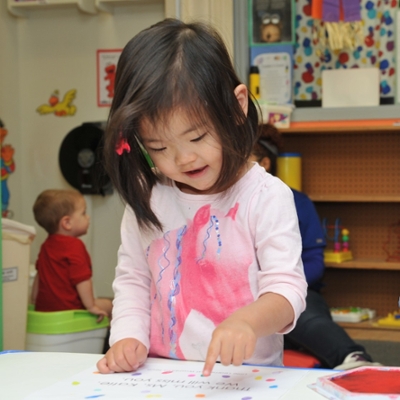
x: 59, y: 108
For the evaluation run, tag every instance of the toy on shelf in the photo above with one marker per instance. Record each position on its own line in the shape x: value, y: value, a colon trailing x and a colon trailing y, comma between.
x: 7, y: 168
x: 271, y: 22
x: 393, y: 319
x: 341, y: 249
x: 271, y: 28
x: 351, y: 314
x: 392, y: 246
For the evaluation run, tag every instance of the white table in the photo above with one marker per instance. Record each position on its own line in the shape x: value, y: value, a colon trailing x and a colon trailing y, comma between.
x: 22, y: 373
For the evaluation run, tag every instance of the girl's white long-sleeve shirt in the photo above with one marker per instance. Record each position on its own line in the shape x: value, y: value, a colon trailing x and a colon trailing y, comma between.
x: 216, y: 254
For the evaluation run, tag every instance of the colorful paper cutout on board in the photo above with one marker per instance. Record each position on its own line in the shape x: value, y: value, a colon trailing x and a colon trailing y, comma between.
x: 171, y: 379
x: 7, y: 168
x: 59, y: 108
x: 107, y: 61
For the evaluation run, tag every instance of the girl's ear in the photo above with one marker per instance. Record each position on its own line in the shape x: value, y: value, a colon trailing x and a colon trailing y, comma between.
x: 241, y: 94
x: 266, y: 163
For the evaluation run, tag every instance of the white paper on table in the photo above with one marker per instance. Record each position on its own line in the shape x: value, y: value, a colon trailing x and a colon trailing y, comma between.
x: 354, y: 87
x: 171, y: 379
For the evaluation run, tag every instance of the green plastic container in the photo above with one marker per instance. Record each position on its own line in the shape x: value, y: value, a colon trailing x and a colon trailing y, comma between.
x: 61, y: 322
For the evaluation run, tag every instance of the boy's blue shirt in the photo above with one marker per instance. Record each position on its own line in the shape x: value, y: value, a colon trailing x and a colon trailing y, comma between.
x: 313, y: 239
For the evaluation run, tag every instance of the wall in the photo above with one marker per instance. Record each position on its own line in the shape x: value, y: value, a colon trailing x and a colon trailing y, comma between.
x: 9, y: 89
x: 49, y: 50
x: 55, y: 49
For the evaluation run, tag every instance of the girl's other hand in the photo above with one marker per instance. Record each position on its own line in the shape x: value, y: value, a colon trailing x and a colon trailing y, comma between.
x: 124, y: 356
x: 233, y: 341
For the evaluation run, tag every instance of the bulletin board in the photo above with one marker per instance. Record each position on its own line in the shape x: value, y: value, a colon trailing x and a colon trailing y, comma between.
x: 377, y: 49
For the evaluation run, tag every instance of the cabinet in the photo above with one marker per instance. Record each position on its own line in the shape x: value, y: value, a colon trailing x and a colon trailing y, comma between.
x: 109, y: 5
x: 21, y: 8
x: 353, y: 173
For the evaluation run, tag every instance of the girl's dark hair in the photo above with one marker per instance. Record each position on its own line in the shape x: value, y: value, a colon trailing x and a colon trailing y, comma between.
x: 269, y: 144
x: 168, y: 66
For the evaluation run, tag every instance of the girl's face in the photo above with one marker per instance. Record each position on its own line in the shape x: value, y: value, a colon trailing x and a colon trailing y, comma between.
x: 186, y: 152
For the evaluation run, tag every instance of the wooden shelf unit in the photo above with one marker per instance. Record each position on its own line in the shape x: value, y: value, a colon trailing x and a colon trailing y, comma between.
x: 109, y: 5
x: 22, y: 8
x: 353, y: 174
x: 370, y: 330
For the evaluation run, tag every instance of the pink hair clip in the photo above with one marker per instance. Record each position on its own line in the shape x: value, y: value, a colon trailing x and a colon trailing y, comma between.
x: 122, y: 145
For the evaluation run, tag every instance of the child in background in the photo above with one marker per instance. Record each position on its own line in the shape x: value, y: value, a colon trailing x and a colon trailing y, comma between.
x: 315, y: 330
x: 209, y: 266
x: 64, y: 271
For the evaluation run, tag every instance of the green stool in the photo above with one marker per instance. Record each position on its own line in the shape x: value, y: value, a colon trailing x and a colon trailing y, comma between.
x: 71, y: 331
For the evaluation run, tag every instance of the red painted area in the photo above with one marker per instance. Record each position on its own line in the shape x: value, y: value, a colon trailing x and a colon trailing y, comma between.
x: 370, y: 381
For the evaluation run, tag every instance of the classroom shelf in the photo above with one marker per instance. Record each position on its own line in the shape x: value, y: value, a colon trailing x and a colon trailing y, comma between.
x: 354, y: 127
x: 351, y: 170
x: 366, y: 264
x: 341, y: 198
x: 370, y: 330
x: 110, y: 5
x: 22, y: 8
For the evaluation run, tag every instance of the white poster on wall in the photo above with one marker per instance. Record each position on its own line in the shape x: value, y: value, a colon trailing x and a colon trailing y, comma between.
x: 275, y: 77
x: 107, y: 61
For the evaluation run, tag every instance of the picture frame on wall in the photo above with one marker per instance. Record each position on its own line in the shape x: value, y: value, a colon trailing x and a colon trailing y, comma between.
x: 107, y: 61
x: 271, y: 22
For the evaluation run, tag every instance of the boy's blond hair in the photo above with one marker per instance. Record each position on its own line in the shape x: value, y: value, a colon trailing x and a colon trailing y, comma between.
x: 52, y: 205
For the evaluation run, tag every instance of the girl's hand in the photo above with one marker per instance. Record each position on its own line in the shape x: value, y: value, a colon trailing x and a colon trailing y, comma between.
x: 124, y: 356
x: 233, y: 340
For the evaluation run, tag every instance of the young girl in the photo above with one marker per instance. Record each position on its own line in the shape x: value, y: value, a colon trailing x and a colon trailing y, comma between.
x: 209, y: 267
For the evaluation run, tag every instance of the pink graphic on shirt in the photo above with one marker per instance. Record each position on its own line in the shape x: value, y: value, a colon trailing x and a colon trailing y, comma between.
x: 232, y: 212
x: 203, y: 267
